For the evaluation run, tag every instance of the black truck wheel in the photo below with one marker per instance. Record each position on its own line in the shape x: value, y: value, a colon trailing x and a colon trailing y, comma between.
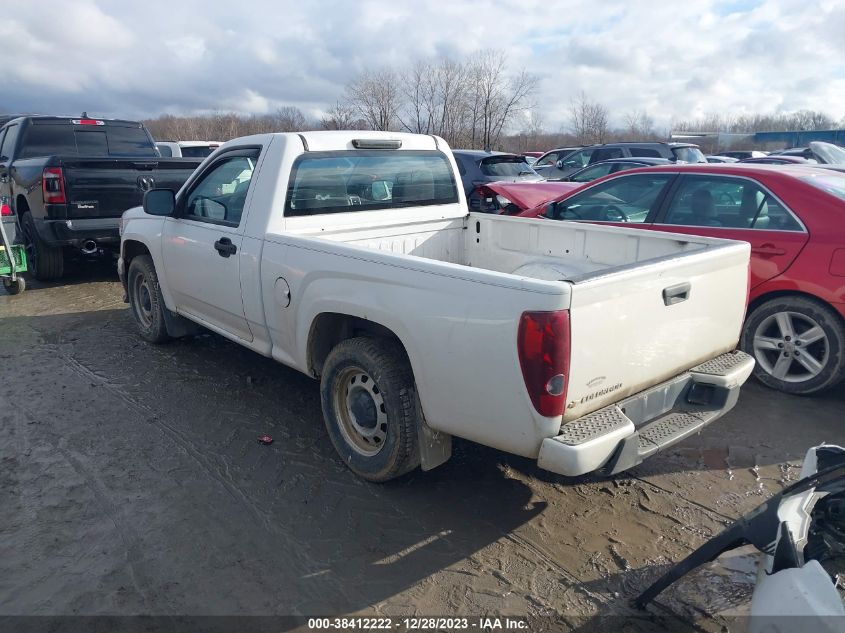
x: 145, y: 300
x: 370, y: 407
x: 45, y: 262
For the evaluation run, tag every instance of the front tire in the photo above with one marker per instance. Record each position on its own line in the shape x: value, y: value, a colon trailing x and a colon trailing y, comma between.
x: 14, y: 287
x: 45, y: 262
x: 798, y: 343
x: 370, y: 408
x: 145, y: 300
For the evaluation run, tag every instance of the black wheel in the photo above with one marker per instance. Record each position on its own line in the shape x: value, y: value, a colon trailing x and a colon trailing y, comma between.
x: 14, y: 287
x: 798, y: 343
x: 370, y: 407
x: 45, y: 262
x: 145, y: 300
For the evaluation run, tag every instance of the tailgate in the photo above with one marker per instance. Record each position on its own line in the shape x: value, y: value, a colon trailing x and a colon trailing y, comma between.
x: 106, y: 187
x: 644, y: 324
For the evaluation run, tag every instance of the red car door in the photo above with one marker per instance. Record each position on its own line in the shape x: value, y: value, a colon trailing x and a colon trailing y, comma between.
x: 737, y: 208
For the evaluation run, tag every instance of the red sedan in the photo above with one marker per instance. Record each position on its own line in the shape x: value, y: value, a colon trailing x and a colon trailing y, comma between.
x: 794, y: 218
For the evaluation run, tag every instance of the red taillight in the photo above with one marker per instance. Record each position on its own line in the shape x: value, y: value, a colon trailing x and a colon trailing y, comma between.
x: 5, y: 210
x: 543, y: 345
x: 53, y: 185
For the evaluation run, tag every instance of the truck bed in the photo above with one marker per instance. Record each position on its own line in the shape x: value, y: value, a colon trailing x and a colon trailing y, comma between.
x: 551, y: 251
x: 616, y: 280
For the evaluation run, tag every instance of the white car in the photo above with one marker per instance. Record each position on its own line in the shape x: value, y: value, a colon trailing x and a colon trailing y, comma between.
x: 351, y: 257
x: 186, y: 149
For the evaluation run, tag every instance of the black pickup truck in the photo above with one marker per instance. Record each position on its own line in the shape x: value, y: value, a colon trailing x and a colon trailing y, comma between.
x: 67, y: 182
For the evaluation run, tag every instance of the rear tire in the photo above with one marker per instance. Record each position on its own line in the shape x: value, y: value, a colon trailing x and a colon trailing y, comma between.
x: 145, y: 300
x: 371, y: 409
x: 798, y: 343
x: 45, y: 262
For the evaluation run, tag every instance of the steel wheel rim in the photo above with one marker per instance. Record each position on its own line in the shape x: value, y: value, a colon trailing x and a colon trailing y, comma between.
x: 791, y: 346
x: 360, y: 409
x: 142, y: 304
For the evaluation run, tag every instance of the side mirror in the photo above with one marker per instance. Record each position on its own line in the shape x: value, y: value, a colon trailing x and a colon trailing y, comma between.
x: 160, y: 202
x: 559, y: 164
x: 551, y: 211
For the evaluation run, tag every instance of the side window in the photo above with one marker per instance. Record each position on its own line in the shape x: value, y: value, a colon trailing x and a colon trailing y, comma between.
x: 605, y: 153
x: 623, y: 199
x: 644, y: 151
x: 727, y: 202
x: 461, y: 169
x: 164, y: 150
x: 9, y: 141
x: 220, y: 195
x: 548, y: 159
x: 577, y: 160
x: 593, y: 172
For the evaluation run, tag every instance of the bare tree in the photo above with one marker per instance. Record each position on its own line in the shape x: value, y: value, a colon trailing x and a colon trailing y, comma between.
x: 341, y: 116
x: 288, y: 119
x: 496, y: 97
x: 375, y: 95
x: 588, y: 120
x: 640, y: 126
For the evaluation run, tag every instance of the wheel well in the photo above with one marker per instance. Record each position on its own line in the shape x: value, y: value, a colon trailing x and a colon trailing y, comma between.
x: 132, y: 249
x: 330, y: 328
x: 787, y: 293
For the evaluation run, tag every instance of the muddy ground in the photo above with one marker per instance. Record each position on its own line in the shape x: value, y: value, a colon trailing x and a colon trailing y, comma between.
x: 131, y: 482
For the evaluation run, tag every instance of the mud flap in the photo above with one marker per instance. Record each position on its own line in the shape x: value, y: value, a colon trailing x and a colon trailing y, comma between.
x: 435, y: 446
x: 178, y: 326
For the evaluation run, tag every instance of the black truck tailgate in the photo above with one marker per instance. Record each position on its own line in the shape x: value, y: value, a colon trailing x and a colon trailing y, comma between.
x: 106, y: 187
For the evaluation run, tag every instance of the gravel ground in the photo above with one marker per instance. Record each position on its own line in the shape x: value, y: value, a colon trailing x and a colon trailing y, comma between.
x: 131, y: 482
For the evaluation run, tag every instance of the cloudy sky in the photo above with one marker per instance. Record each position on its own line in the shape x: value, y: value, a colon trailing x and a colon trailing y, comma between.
x: 675, y: 60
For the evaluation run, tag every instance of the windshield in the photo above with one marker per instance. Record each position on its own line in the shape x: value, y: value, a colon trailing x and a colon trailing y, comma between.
x: 689, y: 155
x: 828, y: 153
x: 506, y: 167
x: 833, y: 183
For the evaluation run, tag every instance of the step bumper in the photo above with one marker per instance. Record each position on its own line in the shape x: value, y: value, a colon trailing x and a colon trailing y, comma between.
x: 624, y: 434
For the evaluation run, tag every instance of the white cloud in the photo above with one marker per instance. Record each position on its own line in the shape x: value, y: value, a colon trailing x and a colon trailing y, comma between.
x: 679, y: 60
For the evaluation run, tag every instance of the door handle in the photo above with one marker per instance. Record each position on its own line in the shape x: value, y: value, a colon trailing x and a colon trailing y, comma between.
x: 767, y: 250
x: 224, y: 247
x: 676, y: 294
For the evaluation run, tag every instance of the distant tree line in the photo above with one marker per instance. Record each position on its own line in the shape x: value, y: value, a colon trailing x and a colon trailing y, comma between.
x: 477, y: 102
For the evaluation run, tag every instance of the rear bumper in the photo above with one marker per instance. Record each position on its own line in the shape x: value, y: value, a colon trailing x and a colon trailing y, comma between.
x: 75, y: 232
x: 624, y: 434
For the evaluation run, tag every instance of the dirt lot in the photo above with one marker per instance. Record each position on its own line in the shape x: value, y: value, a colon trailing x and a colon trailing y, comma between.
x: 132, y: 483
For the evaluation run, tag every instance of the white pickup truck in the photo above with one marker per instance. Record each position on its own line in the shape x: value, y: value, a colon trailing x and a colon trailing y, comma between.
x: 351, y: 257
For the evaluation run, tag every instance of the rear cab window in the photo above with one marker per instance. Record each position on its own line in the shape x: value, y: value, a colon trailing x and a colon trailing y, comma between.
x: 68, y: 139
x: 197, y: 151
x: 368, y: 180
